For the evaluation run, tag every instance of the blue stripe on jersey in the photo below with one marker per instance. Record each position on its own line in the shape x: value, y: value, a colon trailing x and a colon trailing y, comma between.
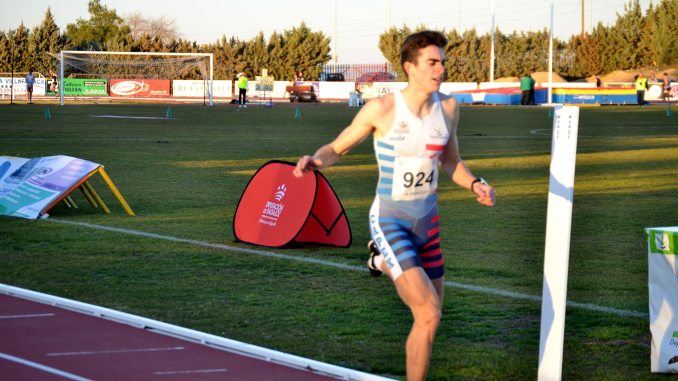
x: 396, y: 234
x: 385, y: 181
x: 386, y: 169
x: 404, y: 223
x: 384, y: 191
x: 405, y: 255
x: 399, y: 245
x: 384, y: 145
x: 390, y: 158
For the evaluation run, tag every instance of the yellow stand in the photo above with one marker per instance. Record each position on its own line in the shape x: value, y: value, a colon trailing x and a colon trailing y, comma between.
x: 115, y: 191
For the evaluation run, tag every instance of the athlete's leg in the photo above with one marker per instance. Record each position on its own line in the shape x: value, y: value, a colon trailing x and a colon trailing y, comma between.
x: 420, y: 295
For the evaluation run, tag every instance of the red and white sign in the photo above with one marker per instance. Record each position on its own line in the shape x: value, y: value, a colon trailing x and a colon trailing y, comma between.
x: 140, y: 87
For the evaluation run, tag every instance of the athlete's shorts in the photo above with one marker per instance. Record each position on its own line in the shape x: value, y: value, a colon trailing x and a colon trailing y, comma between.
x: 407, y: 242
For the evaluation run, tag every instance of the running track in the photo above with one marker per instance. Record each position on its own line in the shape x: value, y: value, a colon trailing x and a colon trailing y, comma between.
x: 50, y: 338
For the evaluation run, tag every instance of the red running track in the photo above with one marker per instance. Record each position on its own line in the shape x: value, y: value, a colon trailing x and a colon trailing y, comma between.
x: 43, y: 342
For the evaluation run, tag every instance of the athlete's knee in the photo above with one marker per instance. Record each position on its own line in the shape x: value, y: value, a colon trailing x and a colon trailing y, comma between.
x: 428, y: 316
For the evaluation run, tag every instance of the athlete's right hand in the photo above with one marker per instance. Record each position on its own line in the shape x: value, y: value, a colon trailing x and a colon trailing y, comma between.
x: 305, y: 164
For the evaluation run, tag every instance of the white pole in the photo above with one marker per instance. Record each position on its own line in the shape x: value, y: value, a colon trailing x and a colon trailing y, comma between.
x: 211, y: 79
x: 557, y: 242
x: 389, y: 15
x: 61, y: 79
x: 492, y: 52
x: 334, y: 50
x: 550, y: 92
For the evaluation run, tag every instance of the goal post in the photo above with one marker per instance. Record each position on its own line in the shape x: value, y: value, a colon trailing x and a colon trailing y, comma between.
x: 104, y: 64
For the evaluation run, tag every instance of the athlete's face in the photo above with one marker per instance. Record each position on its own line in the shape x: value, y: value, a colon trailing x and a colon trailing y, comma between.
x: 428, y: 69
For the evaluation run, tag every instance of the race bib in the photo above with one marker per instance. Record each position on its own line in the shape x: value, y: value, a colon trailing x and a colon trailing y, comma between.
x: 414, y: 178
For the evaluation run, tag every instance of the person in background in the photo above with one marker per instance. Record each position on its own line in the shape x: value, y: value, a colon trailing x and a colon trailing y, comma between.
x: 298, y: 76
x: 527, y: 89
x: 666, y: 87
x: 30, y: 80
x: 641, y: 86
x: 599, y: 83
x: 415, y: 135
x: 242, y: 89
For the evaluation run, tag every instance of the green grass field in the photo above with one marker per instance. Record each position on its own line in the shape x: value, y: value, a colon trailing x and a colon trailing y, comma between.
x: 183, y: 178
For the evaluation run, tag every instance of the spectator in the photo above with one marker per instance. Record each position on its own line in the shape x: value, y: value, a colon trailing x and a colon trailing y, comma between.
x: 641, y: 86
x: 666, y: 87
x: 242, y: 89
x: 527, y: 89
x: 30, y: 80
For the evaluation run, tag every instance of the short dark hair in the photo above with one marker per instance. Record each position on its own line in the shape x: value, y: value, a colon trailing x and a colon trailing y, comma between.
x: 409, y: 51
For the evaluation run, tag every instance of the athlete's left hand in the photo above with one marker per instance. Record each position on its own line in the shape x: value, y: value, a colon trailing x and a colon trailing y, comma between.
x: 486, y: 194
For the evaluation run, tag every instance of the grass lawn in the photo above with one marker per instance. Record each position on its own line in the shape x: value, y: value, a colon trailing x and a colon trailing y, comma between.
x: 183, y: 178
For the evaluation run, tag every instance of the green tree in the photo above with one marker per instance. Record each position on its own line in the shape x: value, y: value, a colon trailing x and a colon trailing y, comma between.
x: 666, y: 30
x: 306, y: 50
x: 43, y: 40
x: 255, y: 55
x: 389, y: 45
x: 104, y: 28
x: 278, y: 67
x: 18, y: 40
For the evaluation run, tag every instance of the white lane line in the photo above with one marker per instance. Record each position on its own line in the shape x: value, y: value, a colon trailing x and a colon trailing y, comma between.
x: 344, y: 266
x: 173, y: 372
x: 44, y: 368
x: 112, y: 351
x: 26, y: 316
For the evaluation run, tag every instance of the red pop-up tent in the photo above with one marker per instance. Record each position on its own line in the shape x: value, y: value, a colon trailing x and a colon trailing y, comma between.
x: 277, y: 208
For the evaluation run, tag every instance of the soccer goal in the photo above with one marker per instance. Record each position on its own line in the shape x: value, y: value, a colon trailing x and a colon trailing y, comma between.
x: 91, y: 73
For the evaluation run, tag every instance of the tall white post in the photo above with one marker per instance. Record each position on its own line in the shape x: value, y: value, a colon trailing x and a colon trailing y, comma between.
x: 61, y: 79
x: 389, y: 15
x: 557, y: 243
x: 211, y: 79
x: 550, y: 92
x: 334, y: 49
x: 492, y: 44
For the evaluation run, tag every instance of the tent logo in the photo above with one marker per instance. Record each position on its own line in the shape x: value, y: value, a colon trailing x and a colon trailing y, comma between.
x: 662, y: 241
x: 280, y: 193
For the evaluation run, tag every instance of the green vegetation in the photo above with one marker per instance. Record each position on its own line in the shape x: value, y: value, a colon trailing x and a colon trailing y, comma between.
x: 638, y: 39
x: 183, y: 178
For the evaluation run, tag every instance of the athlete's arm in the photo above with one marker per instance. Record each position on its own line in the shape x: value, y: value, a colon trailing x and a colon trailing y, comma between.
x: 452, y: 163
x: 360, y: 128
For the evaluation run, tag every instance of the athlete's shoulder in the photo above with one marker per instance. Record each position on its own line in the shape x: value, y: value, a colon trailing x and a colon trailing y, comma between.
x: 381, y: 105
x: 449, y: 103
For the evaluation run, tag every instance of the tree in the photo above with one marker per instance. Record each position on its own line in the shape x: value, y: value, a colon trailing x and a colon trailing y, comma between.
x: 389, y: 45
x: 162, y: 28
x: 103, y: 28
x: 306, y: 51
x: 43, y: 40
x: 255, y: 55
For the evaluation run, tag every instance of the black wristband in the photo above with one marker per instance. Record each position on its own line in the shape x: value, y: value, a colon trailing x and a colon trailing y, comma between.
x: 477, y: 180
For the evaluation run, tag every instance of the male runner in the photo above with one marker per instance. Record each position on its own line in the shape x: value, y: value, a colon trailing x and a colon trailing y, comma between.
x: 415, y: 132
x: 30, y: 80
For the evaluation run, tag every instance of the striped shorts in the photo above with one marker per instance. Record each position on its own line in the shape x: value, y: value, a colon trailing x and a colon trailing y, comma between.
x: 407, y: 242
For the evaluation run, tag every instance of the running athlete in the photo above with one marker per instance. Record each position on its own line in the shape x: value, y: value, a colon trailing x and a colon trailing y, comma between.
x: 415, y: 134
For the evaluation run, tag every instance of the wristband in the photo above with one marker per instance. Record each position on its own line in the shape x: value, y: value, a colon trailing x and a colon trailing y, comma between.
x: 477, y: 180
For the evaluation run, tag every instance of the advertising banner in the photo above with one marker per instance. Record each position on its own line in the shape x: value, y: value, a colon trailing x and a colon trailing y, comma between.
x: 662, y: 245
x: 85, y: 87
x: 140, y: 87
x: 28, y: 186
x: 196, y: 88
x: 20, y: 86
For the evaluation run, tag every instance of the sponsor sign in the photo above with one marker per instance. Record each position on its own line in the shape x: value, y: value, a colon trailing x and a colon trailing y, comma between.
x: 662, y: 245
x: 28, y: 186
x: 20, y: 86
x: 85, y: 87
x: 197, y: 88
x: 140, y: 87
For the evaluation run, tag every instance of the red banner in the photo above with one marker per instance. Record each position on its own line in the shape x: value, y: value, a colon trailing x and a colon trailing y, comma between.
x: 140, y: 87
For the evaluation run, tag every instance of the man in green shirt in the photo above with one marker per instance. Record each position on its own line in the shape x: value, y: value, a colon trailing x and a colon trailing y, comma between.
x: 641, y: 86
x: 242, y: 89
x: 526, y: 87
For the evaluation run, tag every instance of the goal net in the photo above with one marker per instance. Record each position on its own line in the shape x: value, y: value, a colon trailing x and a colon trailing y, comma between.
x: 96, y: 72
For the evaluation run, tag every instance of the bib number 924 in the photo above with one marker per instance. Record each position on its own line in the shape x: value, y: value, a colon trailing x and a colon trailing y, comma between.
x: 418, y: 179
